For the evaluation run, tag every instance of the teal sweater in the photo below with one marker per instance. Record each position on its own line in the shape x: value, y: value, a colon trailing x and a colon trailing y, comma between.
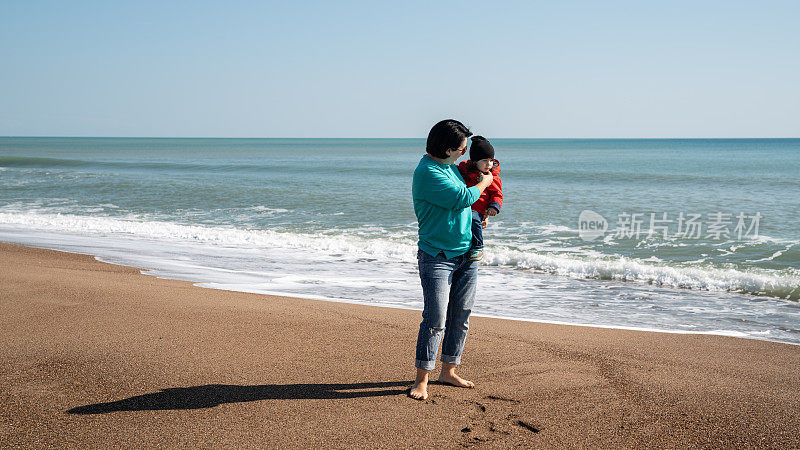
x: 442, y: 205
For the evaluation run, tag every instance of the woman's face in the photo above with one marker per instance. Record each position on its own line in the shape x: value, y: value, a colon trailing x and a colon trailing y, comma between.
x: 455, y: 154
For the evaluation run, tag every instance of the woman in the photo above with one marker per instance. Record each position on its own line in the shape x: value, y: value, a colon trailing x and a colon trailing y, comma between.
x: 442, y: 205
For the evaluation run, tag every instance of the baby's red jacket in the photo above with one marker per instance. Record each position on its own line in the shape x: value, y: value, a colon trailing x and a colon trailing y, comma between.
x: 492, y: 195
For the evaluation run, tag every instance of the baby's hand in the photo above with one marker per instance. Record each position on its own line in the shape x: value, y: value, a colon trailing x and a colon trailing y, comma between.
x: 484, y: 222
x: 491, y: 211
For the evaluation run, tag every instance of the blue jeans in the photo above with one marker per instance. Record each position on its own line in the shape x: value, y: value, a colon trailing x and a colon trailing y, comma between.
x: 448, y: 289
x: 477, y: 230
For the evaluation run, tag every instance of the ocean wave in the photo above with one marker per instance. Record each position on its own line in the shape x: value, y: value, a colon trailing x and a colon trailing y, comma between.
x: 401, y: 247
x: 651, y: 178
x: 755, y: 281
x: 36, y: 164
x: 266, y: 209
x: 31, y: 162
x: 356, y: 246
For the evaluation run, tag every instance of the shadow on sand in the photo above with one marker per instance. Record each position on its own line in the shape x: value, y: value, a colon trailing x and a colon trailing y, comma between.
x: 211, y: 395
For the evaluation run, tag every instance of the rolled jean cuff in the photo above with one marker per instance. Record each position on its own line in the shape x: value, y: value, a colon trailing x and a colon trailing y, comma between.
x: 424, y: 365
x: 451, y: 359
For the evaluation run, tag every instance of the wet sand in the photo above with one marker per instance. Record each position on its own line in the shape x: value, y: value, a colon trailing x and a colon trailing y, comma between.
x: 94, y: 354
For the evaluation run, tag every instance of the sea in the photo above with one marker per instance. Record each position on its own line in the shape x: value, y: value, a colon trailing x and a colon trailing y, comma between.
x: 675, y: 235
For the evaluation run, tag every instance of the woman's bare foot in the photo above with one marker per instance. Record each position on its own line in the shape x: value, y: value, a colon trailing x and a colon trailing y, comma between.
x: 448, y: 376
x: 419, y: 391
x: 456, y: 380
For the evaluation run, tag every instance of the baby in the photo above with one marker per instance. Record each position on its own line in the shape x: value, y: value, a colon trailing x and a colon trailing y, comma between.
x: 481, y: 160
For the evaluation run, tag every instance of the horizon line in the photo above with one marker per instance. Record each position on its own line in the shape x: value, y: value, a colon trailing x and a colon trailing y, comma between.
x: 382, y: 138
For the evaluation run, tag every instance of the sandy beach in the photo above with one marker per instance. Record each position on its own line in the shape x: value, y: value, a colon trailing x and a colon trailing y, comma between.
x: 94, y: 354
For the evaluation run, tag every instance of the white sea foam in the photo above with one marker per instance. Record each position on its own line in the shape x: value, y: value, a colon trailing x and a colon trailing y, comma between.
x: 374, y: 243
x: 265, y: 209
x: 551, y: 229
x: 625, y: 269
x: 216, y: 235
x: 773, y: 256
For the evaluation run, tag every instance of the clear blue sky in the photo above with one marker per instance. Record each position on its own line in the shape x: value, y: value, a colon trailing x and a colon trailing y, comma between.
x: 365, y: 69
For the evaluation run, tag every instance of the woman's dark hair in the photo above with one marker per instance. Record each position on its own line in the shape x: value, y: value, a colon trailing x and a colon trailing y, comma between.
x: 447, y: 134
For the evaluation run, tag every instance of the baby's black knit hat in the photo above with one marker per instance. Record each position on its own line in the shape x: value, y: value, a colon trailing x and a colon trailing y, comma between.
x: 480, y: 149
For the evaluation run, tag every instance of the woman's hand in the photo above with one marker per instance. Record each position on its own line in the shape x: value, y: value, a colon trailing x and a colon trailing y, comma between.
x: 491, y: 211
x: 485, y: 181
